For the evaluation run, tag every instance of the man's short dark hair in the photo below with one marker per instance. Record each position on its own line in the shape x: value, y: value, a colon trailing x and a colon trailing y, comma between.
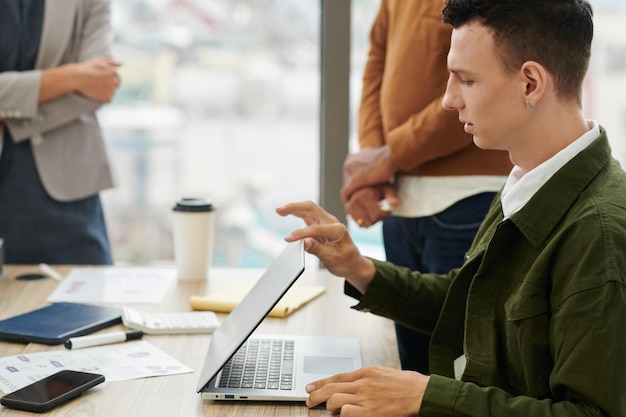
x: 555, y: 33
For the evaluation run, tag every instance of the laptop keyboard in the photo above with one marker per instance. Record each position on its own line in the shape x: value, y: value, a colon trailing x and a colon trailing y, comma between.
x: 260, y: 364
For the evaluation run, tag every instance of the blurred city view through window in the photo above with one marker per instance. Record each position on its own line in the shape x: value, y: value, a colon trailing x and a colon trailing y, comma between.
x: 221, y: 99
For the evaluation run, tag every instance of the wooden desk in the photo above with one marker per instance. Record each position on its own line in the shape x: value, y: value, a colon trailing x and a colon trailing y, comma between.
x: 171, y: 396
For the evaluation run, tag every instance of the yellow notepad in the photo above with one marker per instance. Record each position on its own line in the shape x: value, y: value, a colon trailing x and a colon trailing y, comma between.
x: 224, y: 301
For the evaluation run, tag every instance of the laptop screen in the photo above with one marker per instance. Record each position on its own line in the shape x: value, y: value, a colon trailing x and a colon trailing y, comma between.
x: 241, y: 322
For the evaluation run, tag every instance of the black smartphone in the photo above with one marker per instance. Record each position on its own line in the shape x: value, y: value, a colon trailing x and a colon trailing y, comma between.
x: 42, y: 395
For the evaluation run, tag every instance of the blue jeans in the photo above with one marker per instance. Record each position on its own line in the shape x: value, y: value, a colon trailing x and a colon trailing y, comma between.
x: 432, y: 244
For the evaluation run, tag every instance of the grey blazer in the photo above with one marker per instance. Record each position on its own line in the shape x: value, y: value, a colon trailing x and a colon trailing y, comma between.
x: 66, y: 138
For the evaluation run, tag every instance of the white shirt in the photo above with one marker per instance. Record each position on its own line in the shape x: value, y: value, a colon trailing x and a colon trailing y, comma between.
x: 425, y: 196
x: 520, y: 186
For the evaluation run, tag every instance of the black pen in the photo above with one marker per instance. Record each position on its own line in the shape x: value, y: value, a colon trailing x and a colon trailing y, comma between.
x: 102, y: 339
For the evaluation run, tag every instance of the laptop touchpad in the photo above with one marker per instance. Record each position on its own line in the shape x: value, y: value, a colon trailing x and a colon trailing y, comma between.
x: 327, y: 365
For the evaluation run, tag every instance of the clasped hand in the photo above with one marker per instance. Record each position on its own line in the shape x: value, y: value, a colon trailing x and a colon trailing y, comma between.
x: 97, y: 78
x: 367, y: 177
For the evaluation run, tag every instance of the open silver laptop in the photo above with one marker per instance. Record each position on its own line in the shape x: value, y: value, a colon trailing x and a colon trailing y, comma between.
x: 293, y: 361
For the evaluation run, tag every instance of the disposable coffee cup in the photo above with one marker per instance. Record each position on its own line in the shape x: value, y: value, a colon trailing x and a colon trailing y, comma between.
x: 193, y: 238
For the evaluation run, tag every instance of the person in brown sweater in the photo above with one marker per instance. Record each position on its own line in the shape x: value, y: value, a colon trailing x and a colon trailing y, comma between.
x: 436, y: 184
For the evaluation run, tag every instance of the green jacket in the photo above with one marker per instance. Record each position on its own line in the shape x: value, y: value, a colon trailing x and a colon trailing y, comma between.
x: 538, y: 307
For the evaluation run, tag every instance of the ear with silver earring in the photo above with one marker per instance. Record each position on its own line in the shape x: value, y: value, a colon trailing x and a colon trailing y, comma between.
x: 530, y: 106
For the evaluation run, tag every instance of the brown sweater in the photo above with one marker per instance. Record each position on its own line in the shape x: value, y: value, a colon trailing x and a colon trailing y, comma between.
x: 403, y: 85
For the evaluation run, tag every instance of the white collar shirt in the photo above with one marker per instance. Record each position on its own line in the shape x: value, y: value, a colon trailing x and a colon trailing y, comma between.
x: 520, y: 187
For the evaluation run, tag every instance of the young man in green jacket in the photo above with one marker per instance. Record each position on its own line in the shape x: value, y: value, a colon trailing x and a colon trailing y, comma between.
x: 533, y: 322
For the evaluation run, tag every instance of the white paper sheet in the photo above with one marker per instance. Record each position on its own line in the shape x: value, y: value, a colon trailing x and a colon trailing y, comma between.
x: 117, y: 362
x: 114, y: 285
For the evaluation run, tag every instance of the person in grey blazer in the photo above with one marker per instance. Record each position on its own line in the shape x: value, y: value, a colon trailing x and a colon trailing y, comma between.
x: 56, y: 70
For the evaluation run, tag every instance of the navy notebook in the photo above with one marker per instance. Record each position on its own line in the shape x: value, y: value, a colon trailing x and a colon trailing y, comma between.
x: 54, y: 324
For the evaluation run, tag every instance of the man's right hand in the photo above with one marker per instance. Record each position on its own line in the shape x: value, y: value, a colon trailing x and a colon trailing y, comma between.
x: 328, y: 239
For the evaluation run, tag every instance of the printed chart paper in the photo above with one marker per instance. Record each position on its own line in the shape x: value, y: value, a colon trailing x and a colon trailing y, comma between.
x: 117, y: 362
